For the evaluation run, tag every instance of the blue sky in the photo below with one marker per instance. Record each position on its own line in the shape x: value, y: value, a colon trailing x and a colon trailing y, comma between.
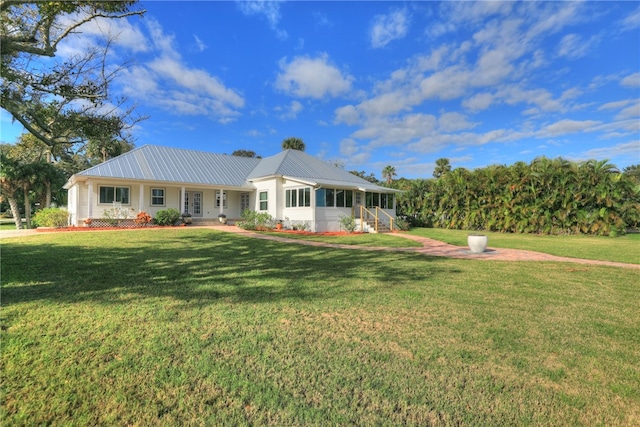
x: 371, y: 84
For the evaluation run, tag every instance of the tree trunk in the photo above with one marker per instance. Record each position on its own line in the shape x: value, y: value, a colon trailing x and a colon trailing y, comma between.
x: 27, y: 206
x: 47, y: 203
x: 15, y: 211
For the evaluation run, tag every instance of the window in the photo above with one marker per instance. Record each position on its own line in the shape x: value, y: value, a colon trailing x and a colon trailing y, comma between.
x: 330, y: 197
x: 298, y: 197
x: 224, y: 199
x: 292, y: 198
x: 329, y: 200
x: 320, y: 197
x: 264, y: 202
x: 114, y: 194
x: 304, y: 197
x: 386, y: 201
x: 157, y: 197
x: 372, y: 199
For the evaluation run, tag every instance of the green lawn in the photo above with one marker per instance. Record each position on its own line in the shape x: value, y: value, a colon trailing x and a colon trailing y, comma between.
x: 356, y: 239
x: 621, y: 249
x: 198, y: 327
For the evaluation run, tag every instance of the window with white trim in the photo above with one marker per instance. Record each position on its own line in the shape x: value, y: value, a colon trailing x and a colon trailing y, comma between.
x: 110, y: 194
x: 264, y: 200
x: 298, y: 197
x: 224, y: 199
x: 157, y: 197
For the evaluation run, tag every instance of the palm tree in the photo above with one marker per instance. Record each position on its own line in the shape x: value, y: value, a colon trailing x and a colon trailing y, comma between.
x: 442, y: 166
x: 293, y: 143
x: 388, y: 173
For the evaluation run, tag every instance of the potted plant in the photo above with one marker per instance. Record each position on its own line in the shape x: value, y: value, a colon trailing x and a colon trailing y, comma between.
x: 222, y: 218
x: 87, y: 222
x: 186, y: 218
x: 279, y: 224
x: 477, y: 243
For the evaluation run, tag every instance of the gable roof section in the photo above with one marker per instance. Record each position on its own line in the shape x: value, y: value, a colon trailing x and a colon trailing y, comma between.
x: 302, y: 167
x: 156, y: 163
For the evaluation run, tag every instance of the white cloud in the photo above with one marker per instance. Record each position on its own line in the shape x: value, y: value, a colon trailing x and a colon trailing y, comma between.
x: 632, y: 111
x: 169, y: 83
x: 454, y: 122
x: 632, y: 80
x: 270, y: 10
x: 291, y: 111
x: 200, y: 45
x: 632, y: 21
x: 567, y: 126
x: 307, y: 77
x: 478, y: 102
x: 348, y: 115
x: 627, y: 149
x: 386, y: 28
x: 616, y: 104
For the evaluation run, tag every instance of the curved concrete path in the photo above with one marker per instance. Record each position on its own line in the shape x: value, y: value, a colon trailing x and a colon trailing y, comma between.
x: 429, y: 247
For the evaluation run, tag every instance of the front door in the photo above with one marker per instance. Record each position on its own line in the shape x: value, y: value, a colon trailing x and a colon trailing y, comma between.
x: 193, y: 203
x: 244, y: 202
x: 357, y: 204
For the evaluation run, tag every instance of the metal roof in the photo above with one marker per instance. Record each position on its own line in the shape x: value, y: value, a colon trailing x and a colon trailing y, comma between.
x: 298, y: 165
x: 156, y: 163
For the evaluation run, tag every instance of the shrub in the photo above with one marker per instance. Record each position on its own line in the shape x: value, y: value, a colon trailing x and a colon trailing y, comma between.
x: 51, y: 217
x: 348, y: 223
x: 402, y: 224
x: 167, y: 217
x: 143, y: 218
x: 252, y: 220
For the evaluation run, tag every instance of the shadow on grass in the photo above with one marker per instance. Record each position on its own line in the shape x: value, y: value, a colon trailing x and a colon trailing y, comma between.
x: 198, y: 267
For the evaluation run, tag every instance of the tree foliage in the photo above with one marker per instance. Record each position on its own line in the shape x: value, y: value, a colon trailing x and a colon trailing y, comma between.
x: 549, y: 196
x: 442, y: 167
x: 62, y: 102
x: 362, y: 174
x: 293, y: 143
x: 389, y: 173
x: 246, y: 153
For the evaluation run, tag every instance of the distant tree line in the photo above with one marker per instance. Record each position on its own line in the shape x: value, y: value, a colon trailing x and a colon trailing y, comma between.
x: 549, y: 196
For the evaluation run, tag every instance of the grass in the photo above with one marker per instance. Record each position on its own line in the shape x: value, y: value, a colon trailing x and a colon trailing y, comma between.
x: 198, y: 327
x: 621, y: 249
x: 356, y: 239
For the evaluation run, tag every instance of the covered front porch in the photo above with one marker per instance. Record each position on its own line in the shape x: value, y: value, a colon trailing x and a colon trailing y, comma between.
x: 113, y: 199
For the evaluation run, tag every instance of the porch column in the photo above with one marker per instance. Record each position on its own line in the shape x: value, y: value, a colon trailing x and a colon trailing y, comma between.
x: 90, y: 199
x: 141, y: 198
x: 182, y: 199
x: 221, y: 200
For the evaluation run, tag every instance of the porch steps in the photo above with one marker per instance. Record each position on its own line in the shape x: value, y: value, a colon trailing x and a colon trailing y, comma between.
x: 382, y: 227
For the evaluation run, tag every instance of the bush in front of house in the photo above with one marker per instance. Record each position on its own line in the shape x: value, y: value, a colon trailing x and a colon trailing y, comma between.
x: 348, y: 223
x: 51, y: 217
x: 252, y: 220
x: 167, y: 217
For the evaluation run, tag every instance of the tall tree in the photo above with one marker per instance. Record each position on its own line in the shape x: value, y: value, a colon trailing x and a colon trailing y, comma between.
x: 389, y: 173
x: 442, y: 167
x: 61, y: 102
x: 293, y: 143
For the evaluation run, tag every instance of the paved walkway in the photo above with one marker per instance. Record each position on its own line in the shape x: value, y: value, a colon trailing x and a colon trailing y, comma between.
x: 429, y: 247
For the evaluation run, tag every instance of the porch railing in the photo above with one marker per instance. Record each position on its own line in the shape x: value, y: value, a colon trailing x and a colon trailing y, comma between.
x: 366, y: 214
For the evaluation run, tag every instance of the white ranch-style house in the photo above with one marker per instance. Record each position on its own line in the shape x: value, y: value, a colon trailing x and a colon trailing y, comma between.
x: 291, y: 186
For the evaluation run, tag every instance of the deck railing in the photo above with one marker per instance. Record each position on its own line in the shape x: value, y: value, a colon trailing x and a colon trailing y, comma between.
x: 366, y: 214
